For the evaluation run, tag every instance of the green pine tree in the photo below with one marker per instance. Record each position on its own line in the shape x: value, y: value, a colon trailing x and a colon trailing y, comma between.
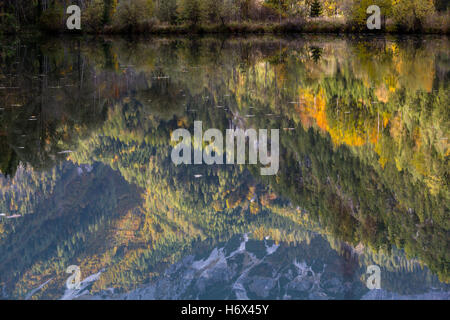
x: 107, y: 8
x: 316, y: 9
x: 192, y: 11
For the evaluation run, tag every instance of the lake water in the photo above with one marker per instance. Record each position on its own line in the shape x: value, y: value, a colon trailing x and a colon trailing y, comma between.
x: 87, y: 179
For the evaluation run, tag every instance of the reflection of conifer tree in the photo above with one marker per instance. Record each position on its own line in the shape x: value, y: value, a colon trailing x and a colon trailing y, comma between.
x: 8, y: 159
x: 316, y: 53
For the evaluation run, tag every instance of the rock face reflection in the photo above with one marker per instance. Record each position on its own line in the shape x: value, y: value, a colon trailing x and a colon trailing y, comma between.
x: 245, y: 269
x: 86, y: 175
x: 252, y: 269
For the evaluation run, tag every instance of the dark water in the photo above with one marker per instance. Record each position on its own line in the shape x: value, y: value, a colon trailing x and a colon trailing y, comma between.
x: 87, y: 179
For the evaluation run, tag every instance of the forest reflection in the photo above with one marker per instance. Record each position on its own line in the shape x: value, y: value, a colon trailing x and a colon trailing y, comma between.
x: 86, y: 176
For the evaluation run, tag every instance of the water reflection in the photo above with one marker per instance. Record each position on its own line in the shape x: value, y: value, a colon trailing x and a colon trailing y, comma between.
x: 87, y: 177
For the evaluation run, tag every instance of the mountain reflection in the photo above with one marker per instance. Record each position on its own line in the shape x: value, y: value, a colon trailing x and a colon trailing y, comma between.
x: 86, y: 175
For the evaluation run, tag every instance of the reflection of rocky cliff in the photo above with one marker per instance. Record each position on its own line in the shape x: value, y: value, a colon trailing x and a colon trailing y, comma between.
x: 249, y: 269
x: 243, y: 268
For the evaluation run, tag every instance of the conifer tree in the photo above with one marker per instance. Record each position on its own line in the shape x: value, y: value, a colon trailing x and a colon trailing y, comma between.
x: 316, y: 9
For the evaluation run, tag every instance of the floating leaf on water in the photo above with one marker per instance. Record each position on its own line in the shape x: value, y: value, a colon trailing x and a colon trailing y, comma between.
x: 14, y: 216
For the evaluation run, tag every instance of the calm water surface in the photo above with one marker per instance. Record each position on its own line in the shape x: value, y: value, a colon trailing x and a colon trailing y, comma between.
x: 86, y: 176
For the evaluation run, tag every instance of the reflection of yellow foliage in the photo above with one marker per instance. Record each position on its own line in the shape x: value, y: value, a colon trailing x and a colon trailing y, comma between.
x: 314, y: 107
x: 382, y: 94
x: 418, y: 162
x: 251, y: 192
x: 385, y: 121
x: 396, y: 127
x: 182, y: 122
x: 127, y: 227
x: 233, y: 201
x: 382, y: 161
x: 259, y: 233
x: 398, y: 164
x: 217, y: 205
x: 115, y: 159
x: 267, y: 198
x: 254, y: 207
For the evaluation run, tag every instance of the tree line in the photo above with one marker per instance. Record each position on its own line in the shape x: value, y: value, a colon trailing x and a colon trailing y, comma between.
x: 146, y: 15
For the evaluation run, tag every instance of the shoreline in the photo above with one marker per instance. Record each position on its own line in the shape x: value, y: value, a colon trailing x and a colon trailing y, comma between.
x: 285, y: 28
